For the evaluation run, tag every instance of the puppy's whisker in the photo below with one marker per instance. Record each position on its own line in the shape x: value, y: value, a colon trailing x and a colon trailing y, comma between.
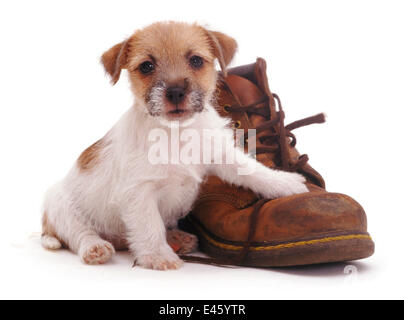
x: 197, y: 100
x: 155, y: 99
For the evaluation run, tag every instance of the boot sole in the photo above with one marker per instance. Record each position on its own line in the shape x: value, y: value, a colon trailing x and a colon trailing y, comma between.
x: 326, y: 248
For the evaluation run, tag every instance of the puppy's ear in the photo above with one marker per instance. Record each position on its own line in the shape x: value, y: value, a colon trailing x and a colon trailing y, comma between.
x: 224, y: 47
x: 115, y: 59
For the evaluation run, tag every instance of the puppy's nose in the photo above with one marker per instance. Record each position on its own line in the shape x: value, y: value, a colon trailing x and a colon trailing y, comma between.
x: 175, y: 95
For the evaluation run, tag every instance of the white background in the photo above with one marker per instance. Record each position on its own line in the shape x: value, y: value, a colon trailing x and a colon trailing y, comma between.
x: 341, y: 57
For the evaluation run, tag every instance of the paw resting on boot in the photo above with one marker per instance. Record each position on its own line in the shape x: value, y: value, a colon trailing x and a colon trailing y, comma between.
x: 290, y: 183
x: 286, y: 184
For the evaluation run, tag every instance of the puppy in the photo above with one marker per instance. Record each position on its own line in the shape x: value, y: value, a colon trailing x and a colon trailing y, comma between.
x: 115, y: 197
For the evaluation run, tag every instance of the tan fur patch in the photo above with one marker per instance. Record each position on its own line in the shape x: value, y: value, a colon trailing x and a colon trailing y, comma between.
x: 169, y: 47
x: 88, y: 159
x: 47, y: 228
x: 114, y: 60
x: 170, y: 44
x: 224, y: 47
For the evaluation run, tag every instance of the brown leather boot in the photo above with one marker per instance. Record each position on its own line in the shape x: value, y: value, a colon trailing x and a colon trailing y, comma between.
x: 234, y: 226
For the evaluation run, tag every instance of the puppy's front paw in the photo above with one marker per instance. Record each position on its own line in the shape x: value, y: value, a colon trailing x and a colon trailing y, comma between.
x: 164, y: 259
x: 287, y: 184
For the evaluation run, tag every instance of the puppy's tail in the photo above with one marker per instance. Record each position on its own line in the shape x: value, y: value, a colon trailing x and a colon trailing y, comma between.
x: 48, y: 238
x: 49, y: 242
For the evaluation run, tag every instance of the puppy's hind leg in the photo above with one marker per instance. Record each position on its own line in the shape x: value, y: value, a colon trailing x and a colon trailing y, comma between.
x: 92, y: 249
x: 182, y: 242
x: 85, y: 241
x: 64, y: 223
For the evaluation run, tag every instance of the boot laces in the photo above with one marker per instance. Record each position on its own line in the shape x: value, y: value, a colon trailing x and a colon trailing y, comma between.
x: 277, y: 141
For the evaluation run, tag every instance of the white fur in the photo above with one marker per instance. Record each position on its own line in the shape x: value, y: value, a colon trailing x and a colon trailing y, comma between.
x: 50, y: 242
x: 126, y: 198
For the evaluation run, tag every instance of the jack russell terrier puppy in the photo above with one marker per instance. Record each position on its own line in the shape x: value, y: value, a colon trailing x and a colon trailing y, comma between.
x: 115, y: 197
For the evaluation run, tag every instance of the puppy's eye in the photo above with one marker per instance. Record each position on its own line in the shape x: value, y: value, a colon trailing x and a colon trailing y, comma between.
x: 146, y: 67
x: 196, y: 62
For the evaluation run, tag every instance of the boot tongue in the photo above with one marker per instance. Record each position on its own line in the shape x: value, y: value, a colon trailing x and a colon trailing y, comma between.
x: 260, y: 72
x: 248, y: 85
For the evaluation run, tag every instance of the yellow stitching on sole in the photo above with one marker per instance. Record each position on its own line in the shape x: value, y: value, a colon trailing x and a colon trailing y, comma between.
x: 285, y: 245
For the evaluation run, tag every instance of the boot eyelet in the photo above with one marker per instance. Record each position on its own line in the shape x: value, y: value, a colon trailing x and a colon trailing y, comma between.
x: 243, y: 141
x: 226, y: 108
x: 237, y: 124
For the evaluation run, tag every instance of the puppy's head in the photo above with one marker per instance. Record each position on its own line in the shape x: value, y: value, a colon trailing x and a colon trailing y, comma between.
x: 171, y: 66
